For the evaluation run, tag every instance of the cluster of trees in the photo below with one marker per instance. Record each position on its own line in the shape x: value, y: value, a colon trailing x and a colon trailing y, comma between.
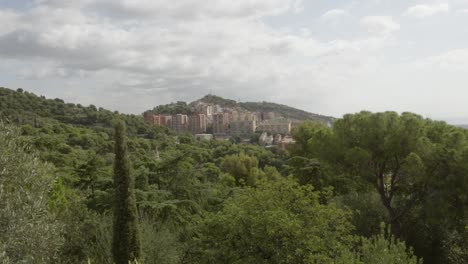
x: 374, y: 188
x: 414, y: 170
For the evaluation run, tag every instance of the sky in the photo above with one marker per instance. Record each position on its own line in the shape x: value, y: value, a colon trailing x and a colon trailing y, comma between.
x: 325, y: 56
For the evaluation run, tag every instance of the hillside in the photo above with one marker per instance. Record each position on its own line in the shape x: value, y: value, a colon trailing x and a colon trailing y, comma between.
x: 283, y: 110
x: 26, y: 108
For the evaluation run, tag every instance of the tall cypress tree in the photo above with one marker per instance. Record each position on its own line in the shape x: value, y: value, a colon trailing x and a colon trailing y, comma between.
x: 126, y: 241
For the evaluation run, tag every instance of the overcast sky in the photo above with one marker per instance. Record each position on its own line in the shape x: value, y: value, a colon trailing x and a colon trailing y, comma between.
x: 324, y: 56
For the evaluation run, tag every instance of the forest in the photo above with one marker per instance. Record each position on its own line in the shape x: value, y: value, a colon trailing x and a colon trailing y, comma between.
x: 373, y: 188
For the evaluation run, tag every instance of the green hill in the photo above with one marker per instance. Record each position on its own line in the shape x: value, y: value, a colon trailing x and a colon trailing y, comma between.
x: 283, y: 110
x: 26, y: 108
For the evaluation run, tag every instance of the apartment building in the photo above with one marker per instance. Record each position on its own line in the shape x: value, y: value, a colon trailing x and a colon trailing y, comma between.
x: 179, y: 123
x: 160, y: 120
x: 220, y: 123
x: 197, y: 123
x: 283, y: 128
x: 242, y: 127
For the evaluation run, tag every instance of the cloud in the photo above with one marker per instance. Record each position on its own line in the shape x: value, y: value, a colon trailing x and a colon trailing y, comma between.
x: 181, y: 9
x: 130, y: 55
x: 334, y: 15
x: 453, y: 60
x: 422, y: 11
x: 380, y: 24
x: 182, y: 48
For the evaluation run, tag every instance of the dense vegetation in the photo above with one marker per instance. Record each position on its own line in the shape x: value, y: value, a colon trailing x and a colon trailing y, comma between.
x: 172, y: 109
x: 368, y: 190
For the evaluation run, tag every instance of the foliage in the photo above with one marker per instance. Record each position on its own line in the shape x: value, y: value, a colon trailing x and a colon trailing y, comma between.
x: 29, y: 231
x: 193, y: 195
x: 171, y: 109
x: 416, y: 166
x: 242, y: 167
x: 126, y: 238
x: 276, y: 222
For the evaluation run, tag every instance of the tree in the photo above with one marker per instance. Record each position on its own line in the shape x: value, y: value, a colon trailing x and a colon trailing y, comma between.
x: 386, y: 250
x: 126, y: 241
x: 416, y: 166
x: 242, y: 167
x: 276, y: 222
x: 29, y: 231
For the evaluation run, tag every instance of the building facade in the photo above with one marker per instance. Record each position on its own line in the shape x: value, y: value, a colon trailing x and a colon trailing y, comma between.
x: 220, y: 123
x: 179, y: 123
x: 197, y: 123
x: 283, y: 128
x: 242, y: 127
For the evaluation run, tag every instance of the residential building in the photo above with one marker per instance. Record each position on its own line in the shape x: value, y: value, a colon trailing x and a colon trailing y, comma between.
x: 268, y: 115
x: 283, y: 128
x: 160, y: 120
x: 197, y: 123
x: 166, y: 120
x: 220, y: 123
x: 152, y: 119
x: 180, y: 123
x: 242, y: 127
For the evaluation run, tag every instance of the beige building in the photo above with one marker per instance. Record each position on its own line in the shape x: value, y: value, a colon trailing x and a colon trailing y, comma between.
x: 283, y: 128
x: 220, y: 123
x: 242, y: 127
x: 160, y: 120
x: 180, y: 123
x: 197, y: 123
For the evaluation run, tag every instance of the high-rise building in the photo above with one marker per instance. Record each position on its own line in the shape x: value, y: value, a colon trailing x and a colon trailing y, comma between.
x: 179, y: 123
x: 220, y: 123
x: 155, y: 119
x: 197, y: 123
x: 166, y: 120
x: 242, y: 127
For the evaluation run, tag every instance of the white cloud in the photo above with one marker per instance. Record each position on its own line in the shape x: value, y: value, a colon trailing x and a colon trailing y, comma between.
x: 454, y: 60
x: 422, y: 11
x: 380, y: 24
x: 9, y: 21
x: 130, y: 55
x: 334, y: 14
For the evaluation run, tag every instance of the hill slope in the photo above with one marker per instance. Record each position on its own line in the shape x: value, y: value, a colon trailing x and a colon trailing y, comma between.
x: 283, y: 110
x: 25, y: 108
